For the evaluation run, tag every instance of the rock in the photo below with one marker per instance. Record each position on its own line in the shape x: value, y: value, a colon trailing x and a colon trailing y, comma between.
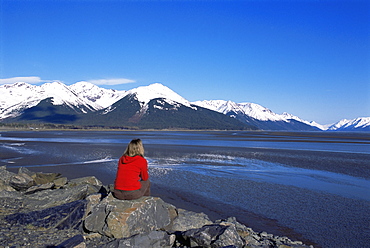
x: 60, y: 209
x: 215, y: 235
x: 242, y: 230
x: 187, y: 220
x: 5, y: 186
x: 60, y: 182
x: 51, y: 198
x: 24, y: 170
x: 41, y: 187
x: 153, y: 239
x: 84, y: 180
x: 65, y: 216
x: 11, y: 194
x: 77, y: 241
x: 92, y: 201
x: 260, y: 239
x: 6, y: 175
x: 10, y: 202
x: 21, y: 181
x: 43, y: 178
x: 122, y: 219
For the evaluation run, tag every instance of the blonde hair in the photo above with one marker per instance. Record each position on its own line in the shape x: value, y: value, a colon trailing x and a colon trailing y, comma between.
x: 134, y: 148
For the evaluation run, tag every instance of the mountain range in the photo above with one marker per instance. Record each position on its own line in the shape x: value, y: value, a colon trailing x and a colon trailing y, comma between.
x: 148, y: 107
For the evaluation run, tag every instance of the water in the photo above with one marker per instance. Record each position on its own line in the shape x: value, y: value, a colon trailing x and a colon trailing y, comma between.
x: 316, y: 183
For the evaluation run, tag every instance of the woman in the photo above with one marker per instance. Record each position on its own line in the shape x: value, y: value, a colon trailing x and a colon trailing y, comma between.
x: 132, y: 179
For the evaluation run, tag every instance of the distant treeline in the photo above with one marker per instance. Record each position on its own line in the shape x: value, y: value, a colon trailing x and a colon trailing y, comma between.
x: 60, y: 126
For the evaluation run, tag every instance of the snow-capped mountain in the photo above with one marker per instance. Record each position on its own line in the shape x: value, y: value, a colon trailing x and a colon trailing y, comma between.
x: 358, y: 124
x: 146, y: 93
x: 84, y: 104
x: 154, y: 106
x: 82, y: 95
x: 20, y: 96
x: 262, y: 117
x: 97, y: 97
x: 250, y: 109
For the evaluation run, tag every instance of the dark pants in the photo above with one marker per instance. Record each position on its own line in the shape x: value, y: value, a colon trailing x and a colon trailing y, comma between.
x: 133, y: 194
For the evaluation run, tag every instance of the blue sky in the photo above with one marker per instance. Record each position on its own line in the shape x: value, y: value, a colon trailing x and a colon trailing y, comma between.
x: 307, y: 58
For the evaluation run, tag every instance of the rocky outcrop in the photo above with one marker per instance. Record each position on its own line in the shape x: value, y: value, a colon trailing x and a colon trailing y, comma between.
x: 65, y: 216
x: 122, y: 219
x: 46, y: 209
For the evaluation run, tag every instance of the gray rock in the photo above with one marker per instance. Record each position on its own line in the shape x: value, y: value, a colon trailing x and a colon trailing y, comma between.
x: 34, y: 189
x: 242, y: 230
x: 92, y: 201
x: 65, y: 216
x: 187, y: 220
x: 122, y: 219
x: 77, y: 241
x: 5, y: 186
x: 43, y: 178
x: 84, y: 180
x: 11, y: 194
x: 51, y: 198
x: 21, y: 182
x: 24, y: 170
x: 154, y: 239
x: 60, y: 182
x: 215, y: 235
x: 6, y: 175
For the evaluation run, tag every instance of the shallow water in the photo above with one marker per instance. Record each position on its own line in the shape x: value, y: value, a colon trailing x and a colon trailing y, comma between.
x: 317, y: 184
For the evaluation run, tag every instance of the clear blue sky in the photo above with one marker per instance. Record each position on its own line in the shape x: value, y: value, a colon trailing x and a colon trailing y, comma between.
x: 307, y: 58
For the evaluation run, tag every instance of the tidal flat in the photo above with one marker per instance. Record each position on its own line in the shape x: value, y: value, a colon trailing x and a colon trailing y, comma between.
x: 309, y: 186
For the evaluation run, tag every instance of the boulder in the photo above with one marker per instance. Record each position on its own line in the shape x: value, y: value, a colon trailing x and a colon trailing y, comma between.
x: 122, y: 219
x: 65, y: 216
x: 24, y: 170
x: 77, y: 241
x: 6, y: 175
x: 215, y: 235
x: 10, y: 202
x: 5, y: 186
x: 21, y: 181
x: 51, y: 198
x: 34, y: 189
x: 85, y: 180
x: 242, y: 230
x: 187, y: 220
x: 60, y: 182
x: 92, y: 201
x: 43, y: 178
x: 153, y: 239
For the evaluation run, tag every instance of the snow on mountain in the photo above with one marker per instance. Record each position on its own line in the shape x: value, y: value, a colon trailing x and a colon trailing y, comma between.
x: 250, y: 109
x: 86, y: 97
x: 83, y: 96
x: 319, y: 126
x: 253, y: 110
x: 18, y: 96
x: 348, y: 125
x: 97, y: 97
x: 145, y: 94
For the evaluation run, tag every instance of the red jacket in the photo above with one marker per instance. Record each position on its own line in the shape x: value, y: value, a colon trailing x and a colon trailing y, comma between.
x: 130, y: 171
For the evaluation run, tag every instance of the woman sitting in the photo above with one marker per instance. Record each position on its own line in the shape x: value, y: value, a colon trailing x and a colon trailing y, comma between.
x: 132, y: 179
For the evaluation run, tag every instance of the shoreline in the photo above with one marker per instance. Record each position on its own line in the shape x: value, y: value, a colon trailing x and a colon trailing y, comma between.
x: 215, y: 210
x: 285, y: 206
